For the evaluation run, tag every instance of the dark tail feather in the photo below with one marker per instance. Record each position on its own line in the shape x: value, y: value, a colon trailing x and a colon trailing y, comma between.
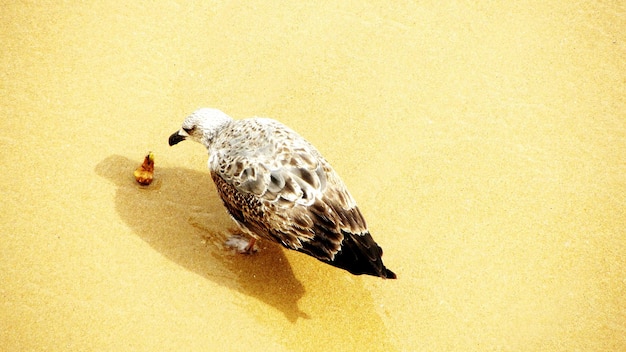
x: 359, y: 255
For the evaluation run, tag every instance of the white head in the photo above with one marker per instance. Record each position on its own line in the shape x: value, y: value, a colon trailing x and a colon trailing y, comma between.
x: 202, y: 126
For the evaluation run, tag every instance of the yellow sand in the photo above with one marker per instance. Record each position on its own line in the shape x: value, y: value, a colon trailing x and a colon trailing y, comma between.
x: 484, y: 142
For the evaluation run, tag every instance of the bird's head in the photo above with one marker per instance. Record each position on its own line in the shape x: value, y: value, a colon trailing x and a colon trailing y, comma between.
x: 202, y: 126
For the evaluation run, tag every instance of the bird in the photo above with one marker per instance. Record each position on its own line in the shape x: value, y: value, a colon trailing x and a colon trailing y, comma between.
x: 277, y: 186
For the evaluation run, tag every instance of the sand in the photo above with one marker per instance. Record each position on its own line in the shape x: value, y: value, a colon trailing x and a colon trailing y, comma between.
x: 485, y: 144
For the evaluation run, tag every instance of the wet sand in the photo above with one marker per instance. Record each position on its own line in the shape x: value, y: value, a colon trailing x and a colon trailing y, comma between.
x: 484, y: 143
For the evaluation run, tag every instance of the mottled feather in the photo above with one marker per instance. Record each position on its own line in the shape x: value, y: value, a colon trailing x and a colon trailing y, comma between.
x: 277, y: 186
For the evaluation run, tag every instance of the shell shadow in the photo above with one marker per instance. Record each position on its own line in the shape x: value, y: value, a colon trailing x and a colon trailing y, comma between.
x: 181, y: 216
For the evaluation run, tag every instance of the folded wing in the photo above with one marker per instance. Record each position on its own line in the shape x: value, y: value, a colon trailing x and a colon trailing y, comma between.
x: 284, y: 190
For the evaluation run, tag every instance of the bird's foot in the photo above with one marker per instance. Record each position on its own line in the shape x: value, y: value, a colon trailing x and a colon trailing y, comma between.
x: 242, y: 245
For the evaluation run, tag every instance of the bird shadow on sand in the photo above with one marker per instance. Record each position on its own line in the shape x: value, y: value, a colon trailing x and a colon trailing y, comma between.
x: 181, y: 216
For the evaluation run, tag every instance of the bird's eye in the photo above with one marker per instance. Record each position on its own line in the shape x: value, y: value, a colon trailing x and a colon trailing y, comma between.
x: 189, y: 130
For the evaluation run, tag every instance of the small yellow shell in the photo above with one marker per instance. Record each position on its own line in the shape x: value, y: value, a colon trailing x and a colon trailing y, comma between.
x: 145, y: 172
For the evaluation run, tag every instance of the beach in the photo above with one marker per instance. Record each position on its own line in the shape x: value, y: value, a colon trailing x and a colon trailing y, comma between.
x: 484, y: 143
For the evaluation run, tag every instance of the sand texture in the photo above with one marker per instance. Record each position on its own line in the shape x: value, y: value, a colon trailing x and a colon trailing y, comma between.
x: 485, y: 143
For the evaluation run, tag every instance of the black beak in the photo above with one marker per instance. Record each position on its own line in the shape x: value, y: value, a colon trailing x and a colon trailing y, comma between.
x: 176, y: 138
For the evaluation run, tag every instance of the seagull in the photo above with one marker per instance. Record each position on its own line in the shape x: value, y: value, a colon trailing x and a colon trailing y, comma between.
x: 277, y: 186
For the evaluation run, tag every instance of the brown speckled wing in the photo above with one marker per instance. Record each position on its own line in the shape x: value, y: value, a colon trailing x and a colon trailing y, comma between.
x: 284, y: 190
x: 278, y: 186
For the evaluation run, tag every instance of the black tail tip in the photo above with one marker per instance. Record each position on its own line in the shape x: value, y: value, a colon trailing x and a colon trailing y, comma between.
x: 363, y: 268
x: 382, y: 272
x: 388, y: 274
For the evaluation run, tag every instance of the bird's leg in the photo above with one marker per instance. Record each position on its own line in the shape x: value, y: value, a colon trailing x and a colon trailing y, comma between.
x: 241, y: 244
x: 249, y: 249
